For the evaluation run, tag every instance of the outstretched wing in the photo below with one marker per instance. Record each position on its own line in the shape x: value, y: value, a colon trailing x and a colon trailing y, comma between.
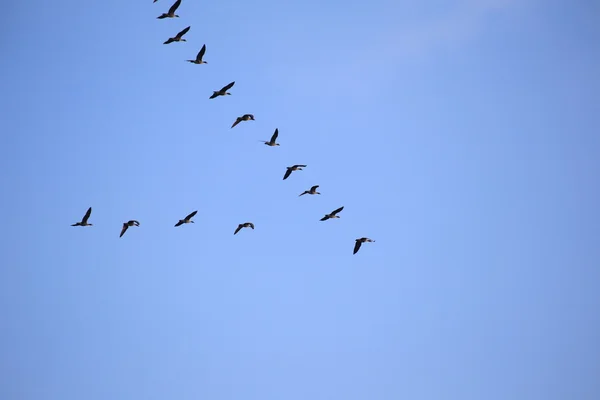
x: 312, y: 189
x: 325, y: 218
x: 174, y: 6
x: 240, y: 226
x: 357, y: 246
x: 179, y: 223
x: 201, y: 53
x: 338, y: 210
x: 125, y: 226
x: 183, y: 32
x: 287, y: 173
x: 237, y: 121
x: 87, y: 215
x: 191, y: 215
x: 274, y: 137
x: 169, y: 40
x: 303, y: 193
x: 225, y: 88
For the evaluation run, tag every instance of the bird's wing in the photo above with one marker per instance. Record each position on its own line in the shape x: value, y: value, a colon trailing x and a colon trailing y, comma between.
x: 201, y: 53
x: 174, y: 6
x: 338, y: 210
x: 125, y: 226
x: 287, y: 173
x: 325, y: 218
x: 178, y: 223
x: 237, y: 121
x: 274, y: 137
x: 303, y: 193
x: 314, y: 188
x: 215, y: 94
x: 357, y: 246
x: 191, y: 215
x: 87, y: 215
x: 183, y: 32
x: 228, y: 86
x: 169, y: 40
x: 238, y: 229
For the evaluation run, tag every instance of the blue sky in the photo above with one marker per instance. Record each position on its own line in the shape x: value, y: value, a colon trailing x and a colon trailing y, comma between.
x: 461, y: 135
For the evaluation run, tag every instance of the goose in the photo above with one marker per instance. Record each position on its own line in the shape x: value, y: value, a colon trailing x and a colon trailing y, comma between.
x: 273, y: 139
x: 244, y: 225
x: 171, y: 13
x: 245, y: 117
x: 223, y: 91
x: 359, y: 242
x: 198, y: 59
x: 178, y: 37
x: 127, y: 225
x: 186, y: 220
x: 292, y: 168
x: 333, y: 214
x: 313, y: 190
x: 85, y: 219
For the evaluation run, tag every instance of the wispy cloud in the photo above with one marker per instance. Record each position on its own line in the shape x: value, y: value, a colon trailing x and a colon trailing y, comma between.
x: 388, y: 47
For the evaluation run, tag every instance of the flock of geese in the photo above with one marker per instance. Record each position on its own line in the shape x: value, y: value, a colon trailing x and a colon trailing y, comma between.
x: 246, y: 117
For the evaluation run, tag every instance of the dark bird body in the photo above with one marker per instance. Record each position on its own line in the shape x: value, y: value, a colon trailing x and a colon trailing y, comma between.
x: 297, y: 167
x: 186, y: 220
x: 359, y: 242
x: 178, y: 37
x: 171, y: 12
x: 85, y: 219
x: 313, y: 190
x: 245, y: 117
x: 127, y: 225
x: 333, y: 214
x: 198, y: 59
x: 244, y: 225
x: 273, y: 139
x: 223, y: 91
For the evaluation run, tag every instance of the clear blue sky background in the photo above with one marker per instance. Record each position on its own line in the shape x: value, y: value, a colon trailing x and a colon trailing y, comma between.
x: 463, y: 136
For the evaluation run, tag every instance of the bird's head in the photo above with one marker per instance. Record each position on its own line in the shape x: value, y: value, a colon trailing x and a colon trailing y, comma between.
x: 317, y: 193
x: 176, y: 16
x: 276, y: 144
x: 183, y: 40
x: 192, y: 222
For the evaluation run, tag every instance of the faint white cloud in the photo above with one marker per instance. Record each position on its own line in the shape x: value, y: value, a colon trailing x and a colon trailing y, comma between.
x: 386, y: 48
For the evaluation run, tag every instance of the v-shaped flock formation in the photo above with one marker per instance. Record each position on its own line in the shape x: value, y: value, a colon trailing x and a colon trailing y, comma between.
x: 246, y: 117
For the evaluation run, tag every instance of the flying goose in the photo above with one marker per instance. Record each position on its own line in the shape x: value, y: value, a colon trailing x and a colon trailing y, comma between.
x: 273, y: 139
x: 178, y: 37
x: 245, y: 117
x: 359, y: 242
x: 171, y: 13
x: 333, y: 214
x: 244, y: 225
x: 223, y: 91
x: 127, y: 225
x: 186, y: 220
x: 85, y: 219
x: 198, y: 59
x: 313, y: 190
x: 292, y: 168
